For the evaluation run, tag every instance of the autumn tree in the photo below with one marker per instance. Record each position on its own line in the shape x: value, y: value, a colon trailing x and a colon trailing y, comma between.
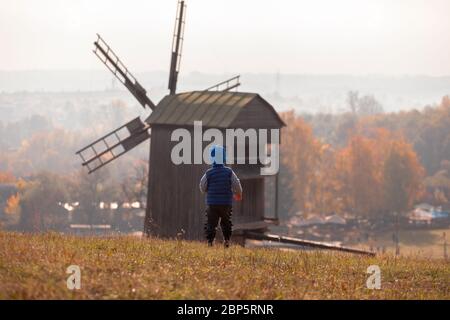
x: 9, y: 200
x: 300, y: 152
x: 44, y: 151
x: 438, y: 186
x: 327, y: 187
x: 361, y: 176
x: 134, y: 187
x: 428, y: 131
x: 92, y: 189
x: 403, y: 175
x: 40, y: 199
x: 363, y: 105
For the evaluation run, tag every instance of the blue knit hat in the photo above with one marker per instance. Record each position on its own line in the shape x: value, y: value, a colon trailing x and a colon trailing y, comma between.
x: 217, y: 155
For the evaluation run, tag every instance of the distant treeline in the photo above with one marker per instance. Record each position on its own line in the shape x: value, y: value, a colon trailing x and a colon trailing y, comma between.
x: 366, y: 164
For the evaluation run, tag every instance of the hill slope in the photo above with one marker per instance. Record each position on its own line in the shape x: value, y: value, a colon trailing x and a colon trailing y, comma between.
x: 34, y: 267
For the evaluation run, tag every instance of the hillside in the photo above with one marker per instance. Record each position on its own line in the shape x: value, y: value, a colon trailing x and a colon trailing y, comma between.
x: 34, y: 266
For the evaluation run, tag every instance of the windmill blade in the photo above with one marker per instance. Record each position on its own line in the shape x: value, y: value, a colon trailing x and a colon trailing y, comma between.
x: 177, y: 46
x: 226, y: 85
x: 116, y: 143
x: 113, y: 63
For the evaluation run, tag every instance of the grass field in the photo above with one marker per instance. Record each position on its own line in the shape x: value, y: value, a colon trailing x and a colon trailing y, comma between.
x: 34, y: 267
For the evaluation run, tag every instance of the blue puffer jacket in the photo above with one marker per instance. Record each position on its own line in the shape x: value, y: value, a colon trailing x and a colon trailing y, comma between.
x: 219, y: 185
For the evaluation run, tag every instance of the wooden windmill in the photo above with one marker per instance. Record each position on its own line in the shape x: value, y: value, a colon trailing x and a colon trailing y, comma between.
x: 174, y: 203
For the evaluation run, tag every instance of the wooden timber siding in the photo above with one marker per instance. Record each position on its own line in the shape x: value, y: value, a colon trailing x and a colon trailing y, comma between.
x: 174, y: 203
x: 251, y: 208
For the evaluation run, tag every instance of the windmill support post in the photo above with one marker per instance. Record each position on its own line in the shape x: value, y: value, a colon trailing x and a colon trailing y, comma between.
x: 276, y: 195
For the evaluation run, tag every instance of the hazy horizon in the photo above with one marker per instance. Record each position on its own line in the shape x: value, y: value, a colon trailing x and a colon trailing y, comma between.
x: 312, y: 93
x: 230, y: 73
x: 349, y: 37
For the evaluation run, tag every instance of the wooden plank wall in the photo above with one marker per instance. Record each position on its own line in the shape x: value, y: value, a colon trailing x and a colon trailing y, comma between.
x: 251, y: 208
x: 175, y: 202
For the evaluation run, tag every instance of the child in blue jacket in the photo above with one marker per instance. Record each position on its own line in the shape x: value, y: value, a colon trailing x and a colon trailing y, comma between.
x: 219, y: 183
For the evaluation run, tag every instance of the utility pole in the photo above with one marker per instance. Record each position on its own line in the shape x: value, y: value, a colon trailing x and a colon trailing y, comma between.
x: 445, y: 245
x: 395, y: 235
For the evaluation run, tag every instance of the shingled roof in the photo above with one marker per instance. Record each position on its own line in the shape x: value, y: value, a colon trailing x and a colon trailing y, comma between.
x: 214, y: 108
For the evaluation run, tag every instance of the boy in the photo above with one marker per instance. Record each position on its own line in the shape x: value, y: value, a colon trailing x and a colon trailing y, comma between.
x: 219, y: 182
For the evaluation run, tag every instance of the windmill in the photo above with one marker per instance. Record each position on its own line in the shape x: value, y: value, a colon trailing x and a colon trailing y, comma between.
x: 174, y: 202
x: 126, y: 137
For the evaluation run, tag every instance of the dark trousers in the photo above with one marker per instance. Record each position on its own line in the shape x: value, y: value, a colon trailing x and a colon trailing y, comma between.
x: 213, y: 214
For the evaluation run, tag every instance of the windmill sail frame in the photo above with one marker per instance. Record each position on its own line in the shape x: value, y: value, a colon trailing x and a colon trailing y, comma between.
x: 228, y: 85
x: 114, y: 144
x: 107, y: 56
x: 177, y: 46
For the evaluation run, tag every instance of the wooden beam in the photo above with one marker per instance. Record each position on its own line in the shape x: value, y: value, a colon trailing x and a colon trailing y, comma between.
x: 304, y: 243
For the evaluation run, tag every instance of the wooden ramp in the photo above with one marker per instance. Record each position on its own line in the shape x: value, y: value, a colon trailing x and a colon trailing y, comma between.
x: 304, y: 243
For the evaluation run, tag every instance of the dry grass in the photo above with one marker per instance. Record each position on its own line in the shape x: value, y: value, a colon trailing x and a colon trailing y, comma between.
x: 33, y: 267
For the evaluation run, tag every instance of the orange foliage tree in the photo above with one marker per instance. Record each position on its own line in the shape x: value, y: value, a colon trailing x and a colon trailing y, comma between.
x: 327, y: 187
x: 376, y: 172
x: 403, y: 176
x: 300, y: 153
x: 361, y: 173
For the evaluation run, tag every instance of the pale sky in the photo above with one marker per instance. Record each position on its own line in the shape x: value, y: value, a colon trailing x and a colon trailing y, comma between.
x: 392, y: 37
